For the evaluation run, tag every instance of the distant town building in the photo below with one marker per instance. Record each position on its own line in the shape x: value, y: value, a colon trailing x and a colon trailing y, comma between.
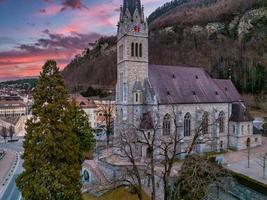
x: 89, y: 108
x: 104, y: 106
x: 12, y: 107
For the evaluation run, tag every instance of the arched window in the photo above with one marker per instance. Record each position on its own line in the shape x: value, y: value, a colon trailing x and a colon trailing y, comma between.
x: 140, y: 50
x: 187, y: 124
x: 167, y: 124
x: 136, y: 49
x: 86, y: 176
x: 221, y: 122
x: 132, y: 51
x: 205, y: 123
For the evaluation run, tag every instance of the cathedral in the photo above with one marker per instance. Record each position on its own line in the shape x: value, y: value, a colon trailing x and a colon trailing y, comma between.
x: 179, y: 99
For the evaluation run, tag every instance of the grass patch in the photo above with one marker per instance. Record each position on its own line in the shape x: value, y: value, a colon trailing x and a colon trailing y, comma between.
x: 121, y: 193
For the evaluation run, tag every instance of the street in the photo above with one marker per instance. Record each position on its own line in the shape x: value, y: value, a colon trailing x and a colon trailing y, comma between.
x: 10, y: 191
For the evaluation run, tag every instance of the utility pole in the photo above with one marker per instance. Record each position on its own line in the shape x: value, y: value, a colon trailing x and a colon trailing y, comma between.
x: 248, y: 146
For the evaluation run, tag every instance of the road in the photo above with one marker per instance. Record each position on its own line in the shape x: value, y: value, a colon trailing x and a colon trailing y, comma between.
x: 11, y: 191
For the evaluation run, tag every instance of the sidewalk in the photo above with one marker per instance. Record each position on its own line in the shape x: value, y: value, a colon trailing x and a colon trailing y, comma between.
x: 237, y: 161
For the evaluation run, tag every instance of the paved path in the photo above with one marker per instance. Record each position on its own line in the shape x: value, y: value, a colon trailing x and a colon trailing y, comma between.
x: 238, y: 161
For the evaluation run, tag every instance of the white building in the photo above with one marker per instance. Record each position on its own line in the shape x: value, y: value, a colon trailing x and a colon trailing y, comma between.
x: 12, y: 108
x: 89, y: 108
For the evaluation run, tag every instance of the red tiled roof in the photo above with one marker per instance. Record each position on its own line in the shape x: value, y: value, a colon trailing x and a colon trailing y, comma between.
x: 83, y: 102
x: 184, y: 84
x: 11, y: 103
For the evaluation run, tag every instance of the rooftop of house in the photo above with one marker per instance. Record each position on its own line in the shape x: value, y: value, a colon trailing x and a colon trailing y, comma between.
x: 11, y: 103
x: 240, y: 113
x: 83, y: 102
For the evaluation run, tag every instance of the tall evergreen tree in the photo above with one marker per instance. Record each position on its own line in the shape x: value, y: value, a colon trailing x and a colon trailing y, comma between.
x: 51, y: 147
x: 82, y: 128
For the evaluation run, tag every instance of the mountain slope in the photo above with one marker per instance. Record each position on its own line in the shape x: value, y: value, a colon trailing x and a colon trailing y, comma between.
x: 226, y: 37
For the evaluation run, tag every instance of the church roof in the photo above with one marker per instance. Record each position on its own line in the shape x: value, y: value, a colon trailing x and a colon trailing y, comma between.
x: 131, y: 5
x: 137, y: 86
x: 240, y: 114
x: 185, y: 84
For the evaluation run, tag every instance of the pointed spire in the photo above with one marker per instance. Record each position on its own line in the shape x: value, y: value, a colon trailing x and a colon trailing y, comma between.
x: 132, y: 5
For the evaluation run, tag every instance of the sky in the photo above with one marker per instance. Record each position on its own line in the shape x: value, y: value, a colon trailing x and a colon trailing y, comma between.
x: 33, y: 31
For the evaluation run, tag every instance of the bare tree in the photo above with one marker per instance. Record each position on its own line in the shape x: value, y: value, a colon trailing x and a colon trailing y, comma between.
x: 107, y: 110
x: 262, y: 162
x: 170, y: 151
x: 128, y: 146
x: 168, y: 145
x: 3, y: 133
x: 11, y: 132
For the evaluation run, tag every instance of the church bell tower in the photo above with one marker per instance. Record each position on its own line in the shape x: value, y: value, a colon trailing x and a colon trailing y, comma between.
x: 132, y: 61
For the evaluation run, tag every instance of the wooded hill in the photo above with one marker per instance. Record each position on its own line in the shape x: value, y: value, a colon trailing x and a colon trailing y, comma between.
x: 228, y: 38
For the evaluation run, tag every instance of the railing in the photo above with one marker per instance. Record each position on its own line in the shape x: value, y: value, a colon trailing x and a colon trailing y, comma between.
x: 2, y: 154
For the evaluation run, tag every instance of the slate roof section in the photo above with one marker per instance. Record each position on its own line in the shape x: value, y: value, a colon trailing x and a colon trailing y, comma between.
x: 146, y: 121
x: 240, y: 114
x: 131, y: 5
x: 229, y: 89
x: 186, y: 84
x: 137, y: 86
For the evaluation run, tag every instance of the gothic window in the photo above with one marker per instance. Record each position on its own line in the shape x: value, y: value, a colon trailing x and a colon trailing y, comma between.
x: 167, y: 124
x: 86, y: 176
x: 187, y: 124
x: 148, y: 135
x: 140, y: 50
x: 136, y: 49
x: 221, y: 122
x: 242, y: 129
x: 125, y: 92
x: 121, y: 52
x: 248, y: 129
x: 205, y: 123
x: 132, y: 50
x: 233, y: 129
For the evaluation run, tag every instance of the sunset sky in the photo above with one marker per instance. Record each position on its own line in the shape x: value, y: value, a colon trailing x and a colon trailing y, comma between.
x: 32, y: 31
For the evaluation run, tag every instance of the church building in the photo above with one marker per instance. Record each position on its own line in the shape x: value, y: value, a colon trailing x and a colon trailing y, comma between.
x: 148, y: 94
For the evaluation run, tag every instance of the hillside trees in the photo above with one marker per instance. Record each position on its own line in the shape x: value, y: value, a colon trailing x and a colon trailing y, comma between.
x: 52, y: 149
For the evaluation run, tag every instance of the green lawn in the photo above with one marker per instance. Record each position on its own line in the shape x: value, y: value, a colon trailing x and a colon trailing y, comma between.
x: 116, y: 194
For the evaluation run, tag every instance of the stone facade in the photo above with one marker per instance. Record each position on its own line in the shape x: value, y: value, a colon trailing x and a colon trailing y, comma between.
x: 205, y: 98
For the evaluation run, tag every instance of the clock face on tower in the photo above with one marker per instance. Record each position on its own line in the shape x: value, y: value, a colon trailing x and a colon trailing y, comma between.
x: 135, y: 28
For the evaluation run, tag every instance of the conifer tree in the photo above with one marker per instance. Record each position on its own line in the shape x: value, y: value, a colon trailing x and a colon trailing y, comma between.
x: 51, y: 147
x: 82, y: 128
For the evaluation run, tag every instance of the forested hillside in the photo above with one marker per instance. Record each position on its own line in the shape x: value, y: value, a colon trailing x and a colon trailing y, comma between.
x: 226, y: 37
